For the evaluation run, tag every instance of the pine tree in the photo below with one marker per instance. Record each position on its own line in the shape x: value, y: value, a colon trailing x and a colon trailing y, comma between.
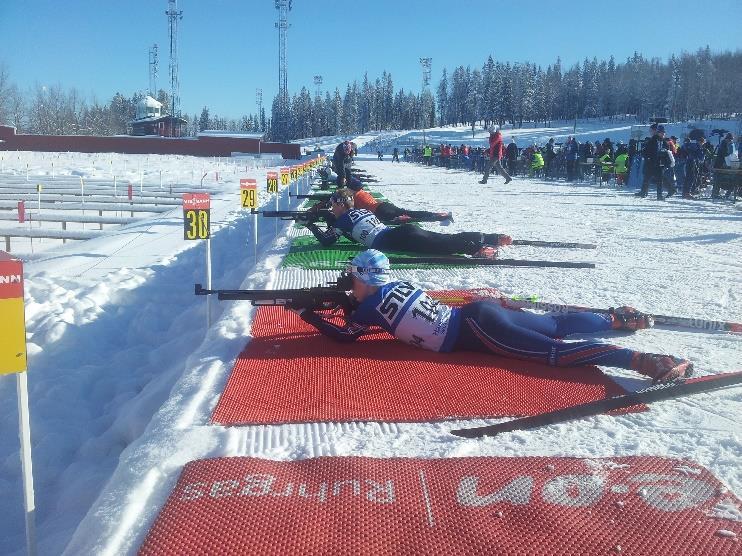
x: 337, y: 114
x: 442, y: 93
x: 488, y: 90
x: 473, y: 99
x: 203, y: 121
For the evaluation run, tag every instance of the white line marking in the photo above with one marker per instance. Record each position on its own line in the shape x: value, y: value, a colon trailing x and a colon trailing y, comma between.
x: 426, y: 496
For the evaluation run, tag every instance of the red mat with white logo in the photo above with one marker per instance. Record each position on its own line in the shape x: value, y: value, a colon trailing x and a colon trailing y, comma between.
x: 535, y: 505
x: 290, y: 373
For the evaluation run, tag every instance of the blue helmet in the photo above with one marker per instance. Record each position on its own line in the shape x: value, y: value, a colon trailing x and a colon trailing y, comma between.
x: 370, y: 267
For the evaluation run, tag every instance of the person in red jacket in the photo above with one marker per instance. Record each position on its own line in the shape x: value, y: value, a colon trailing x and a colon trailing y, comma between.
x: 496, y: 152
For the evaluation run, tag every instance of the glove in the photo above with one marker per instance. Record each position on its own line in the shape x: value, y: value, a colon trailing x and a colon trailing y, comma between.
x: 295, y: 307
x: 308, y: 218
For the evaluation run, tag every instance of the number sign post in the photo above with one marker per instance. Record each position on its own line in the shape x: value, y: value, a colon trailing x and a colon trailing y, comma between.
x: 197, y: 225
x: 13, y: 361
x: 272, y: 189
x: 249, y: 200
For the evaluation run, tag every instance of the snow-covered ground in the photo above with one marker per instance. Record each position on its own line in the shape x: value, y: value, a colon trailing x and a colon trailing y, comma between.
x: 124, y: 375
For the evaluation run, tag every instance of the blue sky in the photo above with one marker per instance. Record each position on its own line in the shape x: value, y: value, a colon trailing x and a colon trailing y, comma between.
x: 230, y: 47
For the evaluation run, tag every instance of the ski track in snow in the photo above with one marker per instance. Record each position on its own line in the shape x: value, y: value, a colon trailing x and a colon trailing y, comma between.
x: 124, y: 377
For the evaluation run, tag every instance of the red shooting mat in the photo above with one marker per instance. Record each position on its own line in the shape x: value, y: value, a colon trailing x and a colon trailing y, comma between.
x: 290, y: 373
x: 535, y: 505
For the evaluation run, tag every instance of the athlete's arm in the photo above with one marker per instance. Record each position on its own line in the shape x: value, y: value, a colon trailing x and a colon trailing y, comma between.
x: 348, y: 333
x: 325, y: 237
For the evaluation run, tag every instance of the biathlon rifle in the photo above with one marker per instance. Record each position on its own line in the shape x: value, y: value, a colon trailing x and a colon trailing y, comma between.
x: 319, y: 298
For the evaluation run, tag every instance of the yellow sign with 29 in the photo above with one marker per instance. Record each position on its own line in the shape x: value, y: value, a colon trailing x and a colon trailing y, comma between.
x: 248, y: 194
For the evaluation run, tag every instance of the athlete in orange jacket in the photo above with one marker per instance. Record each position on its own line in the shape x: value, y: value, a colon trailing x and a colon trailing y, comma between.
x: 387, y: 212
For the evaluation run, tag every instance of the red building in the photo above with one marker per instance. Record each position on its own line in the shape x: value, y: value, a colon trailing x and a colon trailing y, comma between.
x: 203, y: 145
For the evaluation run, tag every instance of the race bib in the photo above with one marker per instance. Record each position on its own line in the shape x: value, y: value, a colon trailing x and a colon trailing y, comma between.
x: 365, y: 226
x: 414, y: 317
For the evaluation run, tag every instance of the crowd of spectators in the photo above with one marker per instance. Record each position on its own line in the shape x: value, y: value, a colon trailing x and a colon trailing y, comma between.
x: 665, y: 162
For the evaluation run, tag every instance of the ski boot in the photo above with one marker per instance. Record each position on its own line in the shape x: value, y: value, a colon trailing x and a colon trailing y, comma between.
x: 628, y: 318
x: 486, y: 252
x: 507, y: 181
x: 661, y: 368
x: 498, y: 240
x: 402, y: 219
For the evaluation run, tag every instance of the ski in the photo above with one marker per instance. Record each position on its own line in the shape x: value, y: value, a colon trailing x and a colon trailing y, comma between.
x: 475, y: 261
x: 661, y: 320
x: 558, y: 244
x: 652, y: 394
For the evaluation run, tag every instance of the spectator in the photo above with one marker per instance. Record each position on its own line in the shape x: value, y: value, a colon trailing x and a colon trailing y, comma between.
x: 496, y: 152
x: 464, y: 156
x: 725, y: 150
x: 549, y: 156
x: 652, y: 169
x: 608, y: 148
x: 621, y: 164
x: 694, y: 154
x: 342, y: 160
x: 427, y: 154
x: 681, y: 159
x: 606, y: 165
x: 395, y: 154
x: 512, y: 157
x: 537, y: 162
x: 571, y: 154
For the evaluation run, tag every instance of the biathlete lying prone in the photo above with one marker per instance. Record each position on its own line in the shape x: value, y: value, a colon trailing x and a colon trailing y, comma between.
x: 415, y: 318
x: 386, y: 211
x: 364, y: 227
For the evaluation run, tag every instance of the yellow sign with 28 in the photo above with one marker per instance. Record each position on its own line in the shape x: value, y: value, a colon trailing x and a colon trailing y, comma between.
x: 272, y: 182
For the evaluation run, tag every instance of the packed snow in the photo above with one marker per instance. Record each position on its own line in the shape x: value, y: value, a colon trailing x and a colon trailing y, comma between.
x: 123, y: 373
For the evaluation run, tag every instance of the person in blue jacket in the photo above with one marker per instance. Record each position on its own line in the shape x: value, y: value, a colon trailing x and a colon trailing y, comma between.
x: 412, y: 316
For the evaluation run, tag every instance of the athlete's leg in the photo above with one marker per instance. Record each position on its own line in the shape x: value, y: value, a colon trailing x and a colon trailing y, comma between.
x: 387, y: 211
x: 409, y: 237
x: 425, y: 215
x: 485, y: 328
x: 558, y: 326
